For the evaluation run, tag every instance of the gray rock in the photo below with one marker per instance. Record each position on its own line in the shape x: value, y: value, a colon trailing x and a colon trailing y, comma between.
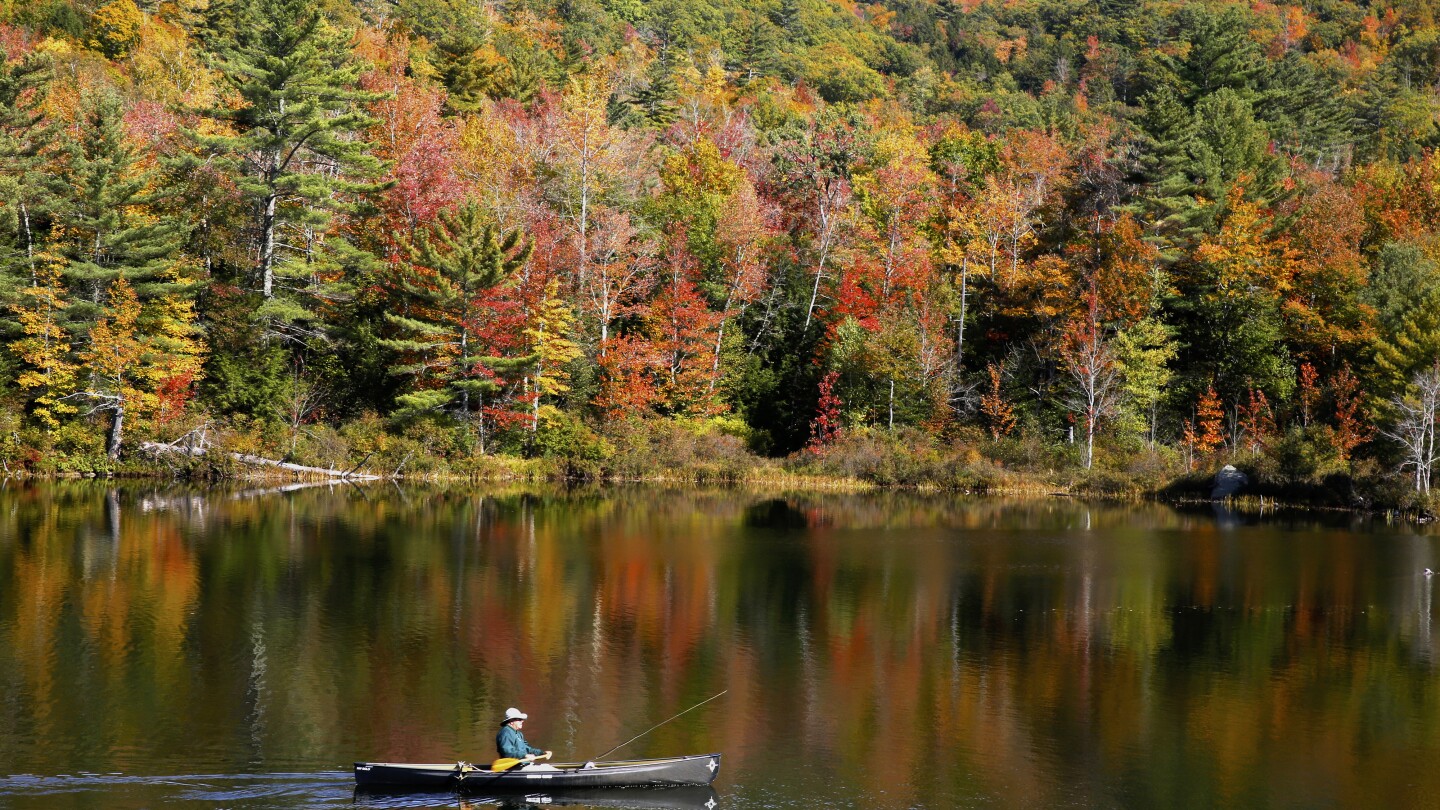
x: 1228, y: 482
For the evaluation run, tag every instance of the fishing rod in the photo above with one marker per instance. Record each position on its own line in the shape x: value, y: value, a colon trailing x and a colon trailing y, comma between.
x: 657, y: 725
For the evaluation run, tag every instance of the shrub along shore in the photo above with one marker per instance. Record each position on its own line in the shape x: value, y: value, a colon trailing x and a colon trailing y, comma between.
x: 714, y: 452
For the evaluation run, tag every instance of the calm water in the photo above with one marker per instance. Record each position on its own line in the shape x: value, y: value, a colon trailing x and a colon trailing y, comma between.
x: 178, y: 649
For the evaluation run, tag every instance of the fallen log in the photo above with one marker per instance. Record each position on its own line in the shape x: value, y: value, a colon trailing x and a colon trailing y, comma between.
x: 259, y: 461
x: 280, y: 490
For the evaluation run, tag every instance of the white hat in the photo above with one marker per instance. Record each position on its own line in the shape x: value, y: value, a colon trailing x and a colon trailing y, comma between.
x: 513, y: 713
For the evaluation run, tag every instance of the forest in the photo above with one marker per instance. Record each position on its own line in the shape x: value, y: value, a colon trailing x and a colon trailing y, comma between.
x: 965, y: 243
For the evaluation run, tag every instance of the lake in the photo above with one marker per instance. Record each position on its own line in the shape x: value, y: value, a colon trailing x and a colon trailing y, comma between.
x: 181, y: 648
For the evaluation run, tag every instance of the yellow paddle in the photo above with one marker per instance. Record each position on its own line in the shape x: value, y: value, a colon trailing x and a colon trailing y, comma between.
x: 506, y: 763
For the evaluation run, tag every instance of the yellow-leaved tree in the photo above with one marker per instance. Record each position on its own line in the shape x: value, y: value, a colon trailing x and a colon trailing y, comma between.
x: 175, y: 356
x: 115, y: 28
x: 553, y: 350
x: 44, y: 347
x: 114, y: 359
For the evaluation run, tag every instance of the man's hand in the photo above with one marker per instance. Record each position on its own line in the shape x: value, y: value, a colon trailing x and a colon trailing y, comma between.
x: 529, y: 757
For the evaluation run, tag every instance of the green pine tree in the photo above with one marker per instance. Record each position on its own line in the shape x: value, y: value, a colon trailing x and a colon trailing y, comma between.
x: 1194, y: 161
x: 1307, y: 112
x: 1392, y: 119
x: 466, y: 255
x: 753, y: 47
x: 106, y: 218
x: 655, y: 102
x: 1215, y: 51
x: 1413, y: 347
x: 296, y: 154
x: 27, y: 187
x: 1402, y: 278
x: 471, y: 72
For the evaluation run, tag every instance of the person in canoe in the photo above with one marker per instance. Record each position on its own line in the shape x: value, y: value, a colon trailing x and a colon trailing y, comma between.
x: 511, y: 743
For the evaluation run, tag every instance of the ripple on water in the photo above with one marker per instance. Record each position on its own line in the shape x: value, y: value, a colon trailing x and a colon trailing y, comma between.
x: 119, y: 791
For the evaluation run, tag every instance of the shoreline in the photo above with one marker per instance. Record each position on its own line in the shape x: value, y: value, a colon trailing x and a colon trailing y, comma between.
x: 1178, y: 492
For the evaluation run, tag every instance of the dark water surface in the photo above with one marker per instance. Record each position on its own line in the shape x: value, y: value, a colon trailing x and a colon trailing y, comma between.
x: 180, y: 649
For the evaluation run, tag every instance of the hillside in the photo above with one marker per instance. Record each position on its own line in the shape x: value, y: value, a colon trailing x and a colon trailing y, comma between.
x: 906, y: 241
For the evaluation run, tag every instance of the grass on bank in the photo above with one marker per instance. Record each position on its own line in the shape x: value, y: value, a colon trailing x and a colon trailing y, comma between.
x: 1298, y: 468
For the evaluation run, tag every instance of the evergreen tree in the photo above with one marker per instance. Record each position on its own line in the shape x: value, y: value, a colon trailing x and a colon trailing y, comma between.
x: 27, y: 188
x: 466, y: 257
x: 788, y: 19
x: 1413, y: 347
x: 296, y: 151
x: 1307, y: 113
x: 1392, y: 120
x: 656, y: 100
x: 1215, y: 51
x: 1194, y: 164
x: 472, y: 73
x: 753, y: 47
x: 243, y: 373
x: 104, y: 217
x: 1402, y: 278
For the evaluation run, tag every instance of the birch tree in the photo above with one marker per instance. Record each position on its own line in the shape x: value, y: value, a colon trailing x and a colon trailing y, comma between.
x: 1416, y: 411
x: 1088, y: 356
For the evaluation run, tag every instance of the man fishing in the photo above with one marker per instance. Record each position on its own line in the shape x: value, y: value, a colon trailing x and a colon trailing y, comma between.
x: 511, y: 743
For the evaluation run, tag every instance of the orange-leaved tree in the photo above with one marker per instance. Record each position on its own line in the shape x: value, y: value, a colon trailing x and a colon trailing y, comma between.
x: 1257, y: 422
x: 999, y: 416
x: 1352, y: 428
x: 1205, y: 433
x: 684, y: 331
x: 114, y: 360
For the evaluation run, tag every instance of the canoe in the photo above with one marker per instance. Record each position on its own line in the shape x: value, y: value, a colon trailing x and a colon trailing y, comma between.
x: 699, y: 769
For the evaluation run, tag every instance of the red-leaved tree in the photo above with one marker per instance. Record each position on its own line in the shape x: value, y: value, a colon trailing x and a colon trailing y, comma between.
x: 825, y: 428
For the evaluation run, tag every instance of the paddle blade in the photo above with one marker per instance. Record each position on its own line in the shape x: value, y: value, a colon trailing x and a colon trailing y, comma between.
x: 505, y: 764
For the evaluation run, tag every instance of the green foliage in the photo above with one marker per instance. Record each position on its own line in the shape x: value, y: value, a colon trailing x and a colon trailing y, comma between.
x: 1413, y: 346
x: 564, y: 438
x: 1403, y: 278
x: 102, y: 214
x: 841, y: 76
x: 1144, y: 354
x: 294, y: 154
x: 462, y: 258
x: 244, y: 372
x: 1202, y: 159
x: 1213, y: 52
x: 28, y: 190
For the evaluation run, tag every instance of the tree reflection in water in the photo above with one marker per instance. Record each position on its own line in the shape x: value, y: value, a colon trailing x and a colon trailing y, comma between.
x: 880, y: 650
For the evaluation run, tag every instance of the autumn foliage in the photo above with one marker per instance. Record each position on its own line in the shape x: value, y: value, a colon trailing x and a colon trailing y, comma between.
x: 479, y: 225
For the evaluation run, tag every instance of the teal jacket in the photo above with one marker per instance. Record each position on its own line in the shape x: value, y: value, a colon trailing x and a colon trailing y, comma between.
x: 511, y: 743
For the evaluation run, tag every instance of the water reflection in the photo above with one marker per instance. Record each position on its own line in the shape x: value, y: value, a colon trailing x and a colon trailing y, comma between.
x: 880, y: 650
x: 677, y: 798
